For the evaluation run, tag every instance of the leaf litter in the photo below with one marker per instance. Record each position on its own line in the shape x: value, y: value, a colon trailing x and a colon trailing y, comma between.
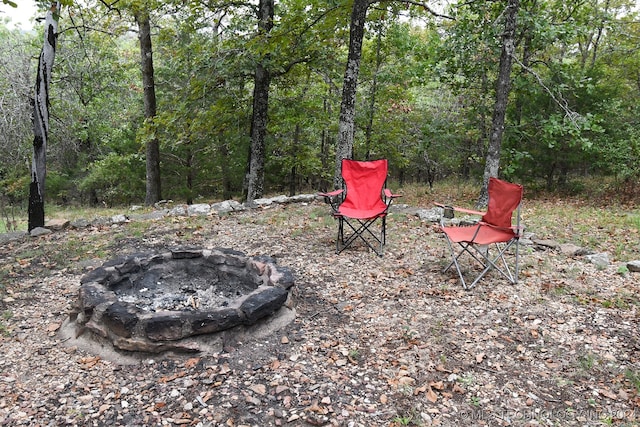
x: 376, y: 341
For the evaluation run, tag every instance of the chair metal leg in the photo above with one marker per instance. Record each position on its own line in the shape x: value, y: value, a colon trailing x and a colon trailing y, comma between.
x: 358, y: 232
x: 488, y: 263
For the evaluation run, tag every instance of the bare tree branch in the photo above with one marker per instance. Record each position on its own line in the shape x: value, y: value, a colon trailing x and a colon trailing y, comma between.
x: 573, y: 116
x: 423, y: 5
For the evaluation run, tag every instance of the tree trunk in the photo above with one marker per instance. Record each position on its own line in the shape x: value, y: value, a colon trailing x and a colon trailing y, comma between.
x: 346, y: 127
x: 327, y: 138
x: 41, y: 119
x: 372, y: 95
x: 294, y: 170
x: 152, y: 146
x: 503, y: 86
x: 262, y: 81
x: 225, y: 160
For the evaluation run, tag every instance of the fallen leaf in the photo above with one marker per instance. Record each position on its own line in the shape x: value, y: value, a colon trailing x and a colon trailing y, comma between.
x: 437, y: 385
x: 190, y: 363
x: 172, y: 377
x: 53, y: 327
x: 432, y: 396
x: 419, y: 390
x: 608, y: 394
x: 261, y: 389
x: 281, y: 388
x: 458, y: 389
x: 317, y: 409
x: 89, y: 362
x: 406, y: 381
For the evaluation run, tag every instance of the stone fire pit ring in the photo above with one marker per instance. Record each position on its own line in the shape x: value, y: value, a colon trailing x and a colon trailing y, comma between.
x: 156, y: 302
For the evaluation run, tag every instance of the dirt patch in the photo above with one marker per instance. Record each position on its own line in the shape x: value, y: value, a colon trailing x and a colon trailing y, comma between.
x: 376, y: 341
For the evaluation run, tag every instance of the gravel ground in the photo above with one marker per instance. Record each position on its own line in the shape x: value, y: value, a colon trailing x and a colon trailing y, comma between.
x: 386, y: 341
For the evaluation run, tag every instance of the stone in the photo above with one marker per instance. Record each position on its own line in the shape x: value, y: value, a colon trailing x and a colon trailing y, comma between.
x: 227, y: 206
x: 150, y: 216
x: 94, y: 275
x: 80, y: 223
x: 634, y: 266
x: 56, y: 224
x: 12, y: 236
x: 178, y: 211
x: 263, y: 302
x: 121, y: 318
x: 284, y: 278
x: 600, y: 259
x: 186, y: 254
x: 119, y: 219
x: 546, y: 243
x: 430, y: 215
x: 262, y: 203
x: 570, y: 249
x: 131, y: 265
x: 167, y: 327
x: 199, y: 209
x: 303, y: 198
x: 92, y: 295
x: 215, y: 320
x: 39, y: 231
x: 282, y: 199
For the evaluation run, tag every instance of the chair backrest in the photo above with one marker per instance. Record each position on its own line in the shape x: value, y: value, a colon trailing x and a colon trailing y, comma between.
x: 504, y: 198
x: 364, y: 182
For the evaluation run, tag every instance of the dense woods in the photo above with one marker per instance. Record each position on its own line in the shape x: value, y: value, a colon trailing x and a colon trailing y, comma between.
x: 249, y: 97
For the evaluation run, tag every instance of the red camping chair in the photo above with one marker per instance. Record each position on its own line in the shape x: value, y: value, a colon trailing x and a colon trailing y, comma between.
x: 494, y: 231
x: 362, y: 202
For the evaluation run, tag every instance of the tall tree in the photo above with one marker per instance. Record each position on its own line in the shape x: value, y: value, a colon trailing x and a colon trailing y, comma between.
x: 41, y: 118
x: 503, y: 85
x: 262, y: 81
x: 346, y: 127
x: 152, y: 145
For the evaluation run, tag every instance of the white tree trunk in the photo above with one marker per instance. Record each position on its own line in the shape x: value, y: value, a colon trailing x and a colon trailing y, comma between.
x: 41, y: 119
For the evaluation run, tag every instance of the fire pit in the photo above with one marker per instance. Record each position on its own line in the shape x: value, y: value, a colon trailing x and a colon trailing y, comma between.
x: 163, y: 301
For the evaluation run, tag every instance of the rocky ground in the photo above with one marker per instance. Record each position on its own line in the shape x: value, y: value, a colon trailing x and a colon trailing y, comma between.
x: 386, y: 341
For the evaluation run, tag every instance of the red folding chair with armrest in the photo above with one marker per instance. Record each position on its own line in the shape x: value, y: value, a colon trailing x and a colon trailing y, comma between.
x: 363, y: 202
x: 494, y: 232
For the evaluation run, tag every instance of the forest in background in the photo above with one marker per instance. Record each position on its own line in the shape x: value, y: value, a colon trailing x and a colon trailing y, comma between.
x: 425, y: 96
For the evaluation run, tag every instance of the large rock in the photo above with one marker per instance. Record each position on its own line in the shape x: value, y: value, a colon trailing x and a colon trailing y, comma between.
x: 600, y: 259
x: 263, y: 302
x: 198, y: 209
x: 634, y: 266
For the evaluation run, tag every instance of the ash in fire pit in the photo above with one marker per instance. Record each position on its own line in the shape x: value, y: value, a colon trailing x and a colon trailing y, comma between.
x: 160, y: 302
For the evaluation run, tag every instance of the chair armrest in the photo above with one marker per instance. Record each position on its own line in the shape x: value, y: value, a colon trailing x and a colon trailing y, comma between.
x: 518, y: 230
x: 331, y: 193
x: 332, y: 199
x: 463, y: 210
x: 389, y: 195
